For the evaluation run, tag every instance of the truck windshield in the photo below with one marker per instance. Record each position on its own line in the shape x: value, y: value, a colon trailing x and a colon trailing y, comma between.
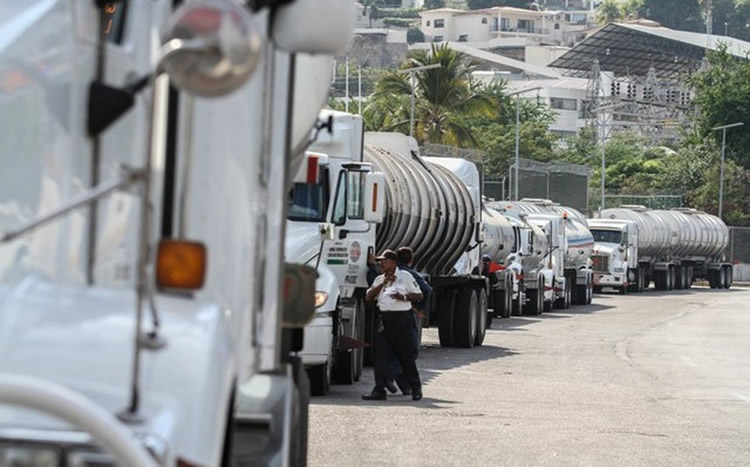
x: 307, y: 202
x: 607, y: 236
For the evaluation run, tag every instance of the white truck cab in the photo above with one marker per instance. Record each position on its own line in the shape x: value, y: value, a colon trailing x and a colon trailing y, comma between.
x: 615, y: 258
x: 334, y: 205
x: 143, y: 313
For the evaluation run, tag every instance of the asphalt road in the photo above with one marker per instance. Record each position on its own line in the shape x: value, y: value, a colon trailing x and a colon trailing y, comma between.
x: 649, y: 379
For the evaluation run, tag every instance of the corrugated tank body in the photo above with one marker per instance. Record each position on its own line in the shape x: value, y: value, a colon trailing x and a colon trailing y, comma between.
x: 428, y: 207
x: 498, y: 235
x: 678, y: 233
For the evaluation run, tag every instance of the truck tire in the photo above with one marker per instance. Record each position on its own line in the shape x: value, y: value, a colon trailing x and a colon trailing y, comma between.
x: 712, y: 278
x: 729, y: 277
x: 359, y: 335
x: 517, y: 303
x: 507, y: 298
x: 320, y: 381
x: 482, y: 317
x: 671, y: 278
x: 559, y: 303
x: 344, y: 367
x: 690, y: 273
x: 367, y: 352
x: 536, y: 301
x: 445, y: 308
x: 465, y: 318
x: 722, y: 278
x: 660, y: 280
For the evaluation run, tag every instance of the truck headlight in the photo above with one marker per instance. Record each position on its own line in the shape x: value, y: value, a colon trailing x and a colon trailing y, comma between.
x: 320, y: 299
x: 28, y: 456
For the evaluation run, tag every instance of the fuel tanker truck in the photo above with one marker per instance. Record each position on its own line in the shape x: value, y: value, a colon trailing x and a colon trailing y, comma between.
x: 565, y: 276
x: 674, y: 247
x: 434, y: 205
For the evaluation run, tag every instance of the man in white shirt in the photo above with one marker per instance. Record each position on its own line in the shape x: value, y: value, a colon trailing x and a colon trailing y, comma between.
x: 395, y: 291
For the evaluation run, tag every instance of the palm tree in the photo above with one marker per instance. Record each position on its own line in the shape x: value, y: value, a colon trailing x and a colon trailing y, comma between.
x: 443, y: 98
x: 608, y: 12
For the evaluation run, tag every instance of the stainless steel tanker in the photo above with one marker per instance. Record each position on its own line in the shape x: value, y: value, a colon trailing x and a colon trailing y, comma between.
x: 570, y: 252
x: 677, y: 246
x: 434, y: 205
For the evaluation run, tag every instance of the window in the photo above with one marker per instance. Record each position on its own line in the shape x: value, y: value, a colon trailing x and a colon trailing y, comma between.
x: 463, y: 38
x: 437, y: 39
x: 428, y: 22
x: 607, y: 236
x: 356, y: 206
x: 114, y: 21
x: 307, y: 202
x: 557, y: 26
x: 439, y: 23
x: 484, y: 20
x: 563, y: 104
x: 525, y: 25
x: 504, y: 24
x: 339, y: 204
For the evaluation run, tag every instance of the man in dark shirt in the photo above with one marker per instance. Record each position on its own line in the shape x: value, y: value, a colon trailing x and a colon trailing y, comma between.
x: 406, y: 263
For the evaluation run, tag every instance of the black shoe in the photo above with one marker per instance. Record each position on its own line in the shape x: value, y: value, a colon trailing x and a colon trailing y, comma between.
x: 374, y: 396
x: 403, y: 384
x: 416, y: 396
x: 391, y: 387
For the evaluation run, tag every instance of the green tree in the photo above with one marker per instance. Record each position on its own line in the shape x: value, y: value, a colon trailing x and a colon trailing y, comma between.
x: 722, y: 96
x: 676, y: 14
x: 443, y: 96
x: 633, y: 9
x: 414, y: 35
x: 609, y: 12
x: 432, y: 4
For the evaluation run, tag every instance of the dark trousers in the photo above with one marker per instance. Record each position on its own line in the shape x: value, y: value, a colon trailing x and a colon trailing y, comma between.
x: 396, y: 340
x: 396, y: 371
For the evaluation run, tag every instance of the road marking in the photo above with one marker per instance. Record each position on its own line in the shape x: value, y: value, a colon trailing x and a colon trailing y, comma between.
x: 689, y: 362
x: 741, y: 397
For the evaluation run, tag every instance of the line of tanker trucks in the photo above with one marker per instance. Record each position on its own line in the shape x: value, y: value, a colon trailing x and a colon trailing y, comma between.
x: 358, y: 193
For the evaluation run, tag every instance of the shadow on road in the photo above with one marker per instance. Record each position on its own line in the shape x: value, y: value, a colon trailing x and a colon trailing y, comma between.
x: 433, y: 361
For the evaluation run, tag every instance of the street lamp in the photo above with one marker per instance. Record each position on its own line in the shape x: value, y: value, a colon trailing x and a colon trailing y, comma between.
x: 411, y: 72
x: 518, y: 93
x: 723, y: 129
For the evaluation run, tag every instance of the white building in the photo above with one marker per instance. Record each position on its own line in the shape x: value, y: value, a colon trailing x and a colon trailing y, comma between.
x: 566, y: 97
x: 563, y: 27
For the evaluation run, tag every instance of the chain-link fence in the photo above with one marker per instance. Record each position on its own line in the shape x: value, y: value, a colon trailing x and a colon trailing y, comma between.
x: 665, y: 201
x: 739, y: 252
x: 566, y: 184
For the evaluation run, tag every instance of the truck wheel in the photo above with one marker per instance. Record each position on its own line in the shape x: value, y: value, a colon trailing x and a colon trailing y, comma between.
x: 581, y: 294
x: 535, y: 304
x: 712, y: 278
x: 623, y: 290
x: 359, y: 335
x: 344, y: 367
x: 465, y: 318
x: 482, y: 323
x: 690, y: 273
x: 729, y: 277
x: 320, y: 381
x: 367, y: 352
x: 722, y: 278
x: 641, y: 280
x: 559, y: 303
x: 445, y: 306
x: 517, y: 305
x: 660, y: 280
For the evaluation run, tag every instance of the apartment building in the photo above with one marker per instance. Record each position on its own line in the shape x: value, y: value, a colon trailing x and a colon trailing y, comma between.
x: 559, y: 27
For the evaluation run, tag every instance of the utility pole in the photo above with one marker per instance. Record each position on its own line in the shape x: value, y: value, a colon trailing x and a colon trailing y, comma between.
x: 411, y: 72
x: 346, y: 88
x: 359, y: 85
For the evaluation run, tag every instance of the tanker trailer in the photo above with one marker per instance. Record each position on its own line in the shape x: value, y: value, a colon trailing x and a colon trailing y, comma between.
x: 579, y: 249
x: 501, y: 238
x: 530, y: 258
x: 433, y: 205
x: 677, y: 246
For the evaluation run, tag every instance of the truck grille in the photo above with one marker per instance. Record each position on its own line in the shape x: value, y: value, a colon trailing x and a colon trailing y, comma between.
x: 600, y: 263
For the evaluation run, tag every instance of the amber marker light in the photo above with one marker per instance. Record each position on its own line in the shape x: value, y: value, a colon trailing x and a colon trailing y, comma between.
x: 180, y: 264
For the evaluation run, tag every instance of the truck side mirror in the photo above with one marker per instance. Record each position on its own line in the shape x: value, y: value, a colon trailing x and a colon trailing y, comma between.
x: 211, y: 48
x: 374, y: 197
